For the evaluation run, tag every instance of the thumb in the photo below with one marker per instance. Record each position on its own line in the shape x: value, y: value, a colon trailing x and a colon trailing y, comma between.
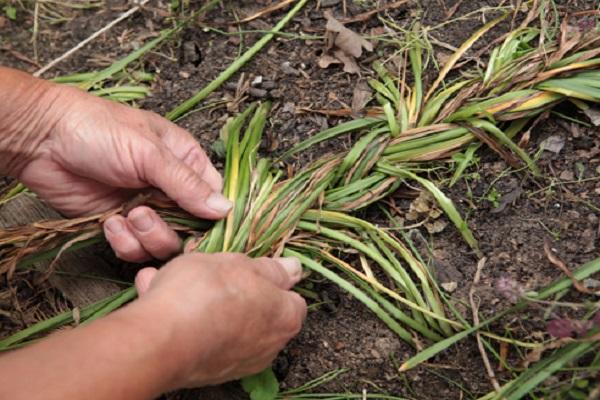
x: 185, y: 186
x: 143, y: 279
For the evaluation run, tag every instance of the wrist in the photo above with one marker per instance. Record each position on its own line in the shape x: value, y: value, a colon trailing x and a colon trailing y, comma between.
x: 31, y: 109
x: 158, y: 342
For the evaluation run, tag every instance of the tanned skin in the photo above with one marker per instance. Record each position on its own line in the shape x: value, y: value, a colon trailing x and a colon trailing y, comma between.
x: 201, y: 319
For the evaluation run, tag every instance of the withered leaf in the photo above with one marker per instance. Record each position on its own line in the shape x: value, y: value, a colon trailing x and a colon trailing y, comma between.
x: 360, y: 97
x: 344, y: 46
x: 347, y: 40
x: 594, y: 115
x: 350, y: 65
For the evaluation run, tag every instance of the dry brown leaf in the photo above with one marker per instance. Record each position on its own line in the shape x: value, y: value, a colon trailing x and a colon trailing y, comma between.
x: 326, y: 60
x: 360, y: 97
x: 346, y: 39
x: 344, y: 46
x: 350, y: 65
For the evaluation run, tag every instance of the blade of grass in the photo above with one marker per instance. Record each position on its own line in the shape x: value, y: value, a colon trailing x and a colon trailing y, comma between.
x: 583, y: 272
x: 358, y: 294
x: 460, y: 52
x: 187, y: 105
x: 330, y: 133
x: 445, y: 203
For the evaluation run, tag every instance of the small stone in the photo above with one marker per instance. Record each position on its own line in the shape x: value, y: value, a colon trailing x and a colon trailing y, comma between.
x: 449, y: 287
x: 567, y: 175
x: 573, y: 215
x: 288, y: 69
x: 184, y: 74
x: 591, y: 283
x: 268, y: 85
x: 375, y: 354
x: 289, y: 107
x: 256, y: 92
x: 257, y: 81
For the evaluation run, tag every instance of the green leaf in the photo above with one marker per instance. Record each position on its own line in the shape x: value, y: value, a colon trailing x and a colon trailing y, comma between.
x: 218, y: 146
x: 11, y: 12
x: 262, y: 386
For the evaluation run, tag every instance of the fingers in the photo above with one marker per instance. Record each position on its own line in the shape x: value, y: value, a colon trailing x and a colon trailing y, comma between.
x: 143, y: 279
x: 185, y: 186
x: 292, y: 315
x: 282, y: 272
x: 183, y: 145
x: 126, y: 246
x: 153, y: 233
x: 141, y: 236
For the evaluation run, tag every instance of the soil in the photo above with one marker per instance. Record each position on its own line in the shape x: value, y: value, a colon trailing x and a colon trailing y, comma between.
x: 510, y: 211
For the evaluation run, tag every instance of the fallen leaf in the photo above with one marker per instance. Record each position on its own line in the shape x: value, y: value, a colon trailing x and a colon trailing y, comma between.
x: 436, y: 226
x: 361, y: 96
x: 594, y: 115
x: 554, y: 144
x: 326, y: 60
x: 508, y: 199
x: 350, y: 65
x: 425, y: 208
x: 344, y: 46
x: 347, y: 40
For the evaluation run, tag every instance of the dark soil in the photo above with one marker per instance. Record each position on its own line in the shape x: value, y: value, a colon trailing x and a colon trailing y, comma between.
x: 510, y: 211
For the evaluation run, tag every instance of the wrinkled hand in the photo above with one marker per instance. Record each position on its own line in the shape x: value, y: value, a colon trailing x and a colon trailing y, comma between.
x: 97, y: 153
x: 227, y: 315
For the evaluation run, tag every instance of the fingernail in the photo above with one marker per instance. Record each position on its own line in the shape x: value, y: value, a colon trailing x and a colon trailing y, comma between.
x: 213, y: 178
x: 219, y: 203
x: 141, y: 220
x: 113, y: 225
x: 292, y: 265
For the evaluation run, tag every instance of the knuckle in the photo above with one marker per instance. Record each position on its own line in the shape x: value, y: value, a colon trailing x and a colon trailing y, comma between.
x: 233, y: 260
x: 294, y: 316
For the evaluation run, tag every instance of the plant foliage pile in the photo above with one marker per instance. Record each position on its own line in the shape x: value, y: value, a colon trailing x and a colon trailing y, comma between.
x: 311, y: 215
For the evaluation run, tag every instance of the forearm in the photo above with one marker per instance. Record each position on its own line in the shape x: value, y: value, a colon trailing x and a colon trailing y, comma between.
x: 118, y: 357
x: 28, y: 111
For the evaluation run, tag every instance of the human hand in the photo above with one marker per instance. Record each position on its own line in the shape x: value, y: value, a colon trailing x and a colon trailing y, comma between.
x: 96, y: 154
x: 225, y: 316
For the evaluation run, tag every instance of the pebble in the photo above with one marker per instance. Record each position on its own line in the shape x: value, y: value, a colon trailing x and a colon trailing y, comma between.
x: 268, y: 85
x: 449, y: 287
x: 288, y: 69
x: 257, y: 81
x: 567, y: 175
x: 256, y: 92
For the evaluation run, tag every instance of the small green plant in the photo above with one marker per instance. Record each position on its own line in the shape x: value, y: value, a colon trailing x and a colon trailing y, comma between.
x: 10, y: 12
x: 309, y: 214
x: 494, y: 197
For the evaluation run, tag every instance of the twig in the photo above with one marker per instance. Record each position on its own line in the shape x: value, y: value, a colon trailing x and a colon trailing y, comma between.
x: 475, y: 309
x: 90, y: 38
x: 553, y: 258
x: 265, y: 11
x: 19, y: 56
x: 36, y: 28
x: 184, y: 107
x: 366, y: 15
x: 450, y: 13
